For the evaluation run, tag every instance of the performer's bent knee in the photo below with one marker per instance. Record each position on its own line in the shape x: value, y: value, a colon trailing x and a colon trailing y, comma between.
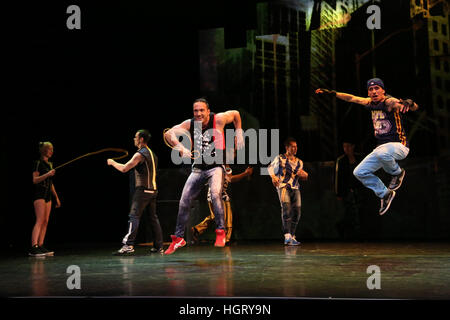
x: 360, y: 173
x: 185, y: 202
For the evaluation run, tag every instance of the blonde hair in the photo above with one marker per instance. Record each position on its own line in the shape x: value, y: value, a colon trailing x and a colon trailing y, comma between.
x: 44, y: 145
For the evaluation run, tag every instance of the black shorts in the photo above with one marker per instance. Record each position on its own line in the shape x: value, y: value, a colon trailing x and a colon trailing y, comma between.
x: 47, y: 196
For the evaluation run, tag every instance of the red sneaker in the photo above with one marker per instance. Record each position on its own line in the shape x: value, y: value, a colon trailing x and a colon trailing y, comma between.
x: 220, y: 238
x: 176, y: 243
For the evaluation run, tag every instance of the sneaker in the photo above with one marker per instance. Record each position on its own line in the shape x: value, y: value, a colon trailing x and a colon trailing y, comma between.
x: 294, y: 242
x: 287, y: 239
x: 220, y: 238
x: 397, y: 180
x: 386, y: 202
x: 176, y: 243
x: 36, y: 252
x: 46, y: 251
x: 126, y: 249
x: 195, y: 235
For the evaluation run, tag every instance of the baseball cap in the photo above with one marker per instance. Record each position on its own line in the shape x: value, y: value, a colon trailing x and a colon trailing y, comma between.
x: 375, y: 82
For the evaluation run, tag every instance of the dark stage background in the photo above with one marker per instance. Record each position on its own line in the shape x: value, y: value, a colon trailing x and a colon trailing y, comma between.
x: 136, y: 64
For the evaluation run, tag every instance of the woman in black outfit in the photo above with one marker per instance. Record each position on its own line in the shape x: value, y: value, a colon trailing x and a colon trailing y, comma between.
x: 43, y: 190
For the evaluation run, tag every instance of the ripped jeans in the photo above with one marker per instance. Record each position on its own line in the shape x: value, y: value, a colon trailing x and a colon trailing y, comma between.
x: 291, y: 202
x: 194, y: 184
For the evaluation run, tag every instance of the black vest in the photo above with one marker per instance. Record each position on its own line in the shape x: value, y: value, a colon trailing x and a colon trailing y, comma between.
x: 145, y: 172
x: 208, y: 145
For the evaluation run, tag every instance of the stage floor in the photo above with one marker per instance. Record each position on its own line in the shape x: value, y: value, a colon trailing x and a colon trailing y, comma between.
x: 252, y: 269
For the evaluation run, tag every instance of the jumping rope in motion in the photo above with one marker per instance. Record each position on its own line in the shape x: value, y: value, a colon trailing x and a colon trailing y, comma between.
x: 97, y: 152
x: 170, y: 146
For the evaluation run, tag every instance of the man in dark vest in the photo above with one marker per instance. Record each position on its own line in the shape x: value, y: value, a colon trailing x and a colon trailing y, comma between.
x: 391, y: 139
x: 144, y: 162
x: 207, y: 148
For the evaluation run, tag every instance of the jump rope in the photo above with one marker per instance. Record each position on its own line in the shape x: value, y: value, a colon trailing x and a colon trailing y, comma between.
x: 125, y: 153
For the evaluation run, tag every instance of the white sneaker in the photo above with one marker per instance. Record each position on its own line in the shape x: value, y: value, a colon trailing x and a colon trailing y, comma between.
x: 125, y: 250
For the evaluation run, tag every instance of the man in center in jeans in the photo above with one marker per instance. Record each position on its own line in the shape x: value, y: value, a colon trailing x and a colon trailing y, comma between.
x: 206, y: 131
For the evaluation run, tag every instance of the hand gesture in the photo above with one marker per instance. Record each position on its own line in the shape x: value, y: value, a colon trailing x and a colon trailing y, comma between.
x: 275, y: 181
x: 406, y: 105
x: 185, y: 153
x: 325, y: 91
x: 319, y: 91
x: 110, y: 162
x: 303, y: 175
x: 51, y: 173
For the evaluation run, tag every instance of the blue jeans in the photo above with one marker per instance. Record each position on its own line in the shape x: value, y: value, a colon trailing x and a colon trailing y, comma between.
x: 194, y: 184
x: 384, y: 156
x: 291, y: 202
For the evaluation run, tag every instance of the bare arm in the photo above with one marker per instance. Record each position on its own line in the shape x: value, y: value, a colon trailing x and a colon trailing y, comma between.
x: 345, y: 96
x: 38, y: 179
x: 134, y: 161
x: 181, y: 129
x: 302, y: 174
x: 351, y: 98
x: 58, y: 203
x: 401, y: 105
x: 239, y: 177
x: 232, y: 116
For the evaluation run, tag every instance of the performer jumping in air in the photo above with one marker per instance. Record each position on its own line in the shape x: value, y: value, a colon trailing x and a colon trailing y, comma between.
x: 144, y: 162
x: 43, y: 190
x: 391, y: 137
x: 285, y: 171
x: 207, y: 131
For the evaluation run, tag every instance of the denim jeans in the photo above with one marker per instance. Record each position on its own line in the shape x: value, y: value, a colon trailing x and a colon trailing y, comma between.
x: 384, y: 156
x: 194, y: 184
x: 290, y: 201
